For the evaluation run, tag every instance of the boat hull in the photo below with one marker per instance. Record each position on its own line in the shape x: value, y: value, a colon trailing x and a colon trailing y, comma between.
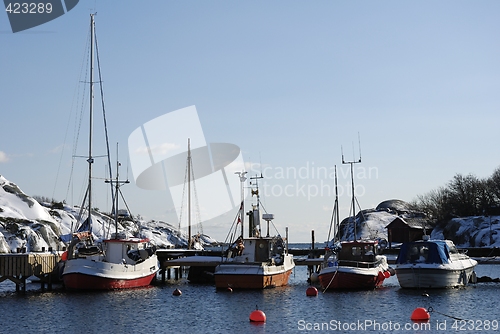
x: 253, y: 275
x: 88, y: 282
x: 86, y: 274
x: 418, y: 277
x: 350, y: 278
x: 238, y: 280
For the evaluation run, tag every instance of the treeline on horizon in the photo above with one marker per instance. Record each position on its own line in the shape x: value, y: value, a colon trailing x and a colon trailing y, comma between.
x: 461, y: 197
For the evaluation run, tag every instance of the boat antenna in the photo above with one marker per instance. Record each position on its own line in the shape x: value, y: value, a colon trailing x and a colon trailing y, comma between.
x: 353, y: 201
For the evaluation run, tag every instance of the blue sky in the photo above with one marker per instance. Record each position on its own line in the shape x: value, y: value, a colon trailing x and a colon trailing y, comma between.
x: 289, y: 82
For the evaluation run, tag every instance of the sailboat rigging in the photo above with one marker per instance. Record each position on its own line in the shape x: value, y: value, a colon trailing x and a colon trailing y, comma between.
x: 192, y: 241
x: 116, y: 263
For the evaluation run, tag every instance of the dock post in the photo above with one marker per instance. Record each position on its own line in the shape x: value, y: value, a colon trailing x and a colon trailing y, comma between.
x: 312, y: 268
x: 169, y: 274
x: 176, y: 272
x: 163, y: 275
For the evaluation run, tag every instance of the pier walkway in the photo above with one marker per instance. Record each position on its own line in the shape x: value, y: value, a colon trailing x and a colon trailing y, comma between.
x: 17, y: 267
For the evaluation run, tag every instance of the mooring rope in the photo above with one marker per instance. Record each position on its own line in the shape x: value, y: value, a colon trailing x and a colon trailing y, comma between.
x: 430, y: 310
x: 331, y: 280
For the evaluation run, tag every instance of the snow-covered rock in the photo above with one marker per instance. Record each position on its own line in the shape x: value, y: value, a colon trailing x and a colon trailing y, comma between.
x: 477, y: 231
x: 32, y: 226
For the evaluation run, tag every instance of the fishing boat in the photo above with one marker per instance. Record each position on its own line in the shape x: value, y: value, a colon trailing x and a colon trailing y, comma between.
x: 431, y: 263
x: 353, y: 265
x: 119, y: 262
x: 254, y: 262
x: 356, y: 264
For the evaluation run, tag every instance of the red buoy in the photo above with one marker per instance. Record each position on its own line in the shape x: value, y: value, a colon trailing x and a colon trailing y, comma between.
x: 229, y: 289
x: 257, y: 316
x: 387, y: 274
x: 420, y: 314
x: 311, y: 291
x: 177, y: 292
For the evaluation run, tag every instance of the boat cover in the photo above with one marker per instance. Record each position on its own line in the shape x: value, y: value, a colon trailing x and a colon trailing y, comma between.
x: 433, y: 251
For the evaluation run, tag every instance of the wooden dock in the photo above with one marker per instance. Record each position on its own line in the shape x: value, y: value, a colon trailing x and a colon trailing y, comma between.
x: 207, y: 260
x: 17, y: 267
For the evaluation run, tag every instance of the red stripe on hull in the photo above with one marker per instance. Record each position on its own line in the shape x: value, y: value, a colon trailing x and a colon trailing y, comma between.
x: 349, y: 281
x: 88, y: 282
x: 236, y: 281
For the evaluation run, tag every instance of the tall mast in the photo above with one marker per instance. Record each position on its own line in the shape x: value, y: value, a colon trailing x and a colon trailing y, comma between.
x: 335, y: 212
x: 189, y: 193
x: 90, y: 159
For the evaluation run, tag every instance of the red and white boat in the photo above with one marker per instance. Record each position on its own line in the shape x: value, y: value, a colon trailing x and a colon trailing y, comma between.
x: 254, y: 262
x: 116, y: 263
x: 353, y: 265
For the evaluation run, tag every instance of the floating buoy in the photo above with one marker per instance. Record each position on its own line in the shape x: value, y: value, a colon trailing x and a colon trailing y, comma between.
x: 177, y: 292
x: 257, y: 316
x: 425, y: 294
x: 229, y: 289
x: 311, y: 291
x: 387, y: 274
x: 420, y: 314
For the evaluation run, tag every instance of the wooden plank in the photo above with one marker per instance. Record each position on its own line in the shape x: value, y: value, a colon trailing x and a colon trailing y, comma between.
x: 28, y: 264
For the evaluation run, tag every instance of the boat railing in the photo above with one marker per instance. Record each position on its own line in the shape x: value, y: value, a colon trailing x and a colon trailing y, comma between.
x: 359, y: 264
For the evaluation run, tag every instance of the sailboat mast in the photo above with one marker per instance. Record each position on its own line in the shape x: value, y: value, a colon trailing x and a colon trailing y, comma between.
x: 335, y: 211
x: 189, y: 193
x: 90, y: 158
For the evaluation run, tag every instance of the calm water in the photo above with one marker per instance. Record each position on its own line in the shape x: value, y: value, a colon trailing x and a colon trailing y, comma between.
x: 202, y: 309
